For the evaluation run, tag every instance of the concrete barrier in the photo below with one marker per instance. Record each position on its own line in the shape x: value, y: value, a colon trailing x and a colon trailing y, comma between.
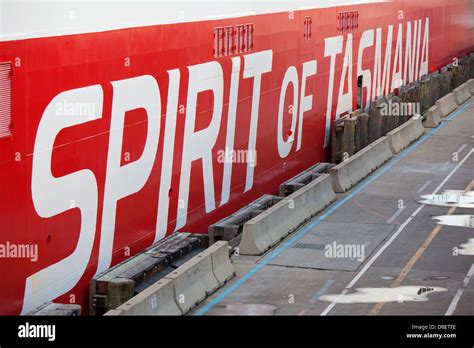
x: 348, y: 173
x: 432, y: 117
x: 157, y: 299
x: 402, y: 136
x: 269, y: 227
x: 470, y: 84
x: 221, y: 266
x: 115, y: 286
x: 462, y: 94
x: 193, y: 281
x: 447, y: 104
x: 179, y: 291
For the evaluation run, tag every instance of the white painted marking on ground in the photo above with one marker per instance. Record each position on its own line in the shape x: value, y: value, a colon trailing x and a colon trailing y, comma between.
x: 467, y: 249
x: 468, y: 276
x: 457, y: 297
x: 394, y: 216
x: 456, y: 220
x: 454, y: 302
x: 450, y: 198
x: 423, y: 171
x: 410, y: 293
x: 388, y: 278
x: 424, y: 186
x: 461, y: 148
x: 392, y: 238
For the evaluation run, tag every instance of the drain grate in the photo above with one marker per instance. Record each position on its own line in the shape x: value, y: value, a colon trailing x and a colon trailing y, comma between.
x: 312, y: 246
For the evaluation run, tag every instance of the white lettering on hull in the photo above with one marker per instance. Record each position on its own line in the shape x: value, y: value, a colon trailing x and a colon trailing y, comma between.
x: 256, y: 64
x: 168, y: 155
x: 55, y: 195
x: 198, y: 145
x: 122, y: 181
x: 52, y: 196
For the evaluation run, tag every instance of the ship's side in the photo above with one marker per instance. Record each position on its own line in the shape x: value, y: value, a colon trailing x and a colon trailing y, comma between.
x: 123, y: 133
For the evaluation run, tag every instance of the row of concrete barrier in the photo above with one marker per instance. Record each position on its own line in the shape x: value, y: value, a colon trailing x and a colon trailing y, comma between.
x: 439, y: 84
x: 118, y: 284
x: 348, y: 173
x: 352, y: 132
x: 271, y: 226
x: 274, y: 224
x: 447, y: 104
x: 181, y: 290
x: 268, y: 228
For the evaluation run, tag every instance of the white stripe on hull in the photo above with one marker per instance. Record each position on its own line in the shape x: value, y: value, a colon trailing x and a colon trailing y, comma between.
x: 25, y: 19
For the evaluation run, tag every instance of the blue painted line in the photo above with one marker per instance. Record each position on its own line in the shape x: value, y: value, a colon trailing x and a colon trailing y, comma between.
x: 316, y: 221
